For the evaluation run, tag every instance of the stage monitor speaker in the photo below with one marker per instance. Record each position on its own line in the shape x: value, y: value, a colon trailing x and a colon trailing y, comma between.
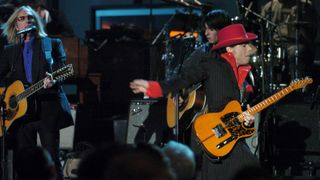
x: 145, y: 123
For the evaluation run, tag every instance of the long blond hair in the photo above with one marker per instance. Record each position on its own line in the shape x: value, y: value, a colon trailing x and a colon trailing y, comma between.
x: 9, y: 28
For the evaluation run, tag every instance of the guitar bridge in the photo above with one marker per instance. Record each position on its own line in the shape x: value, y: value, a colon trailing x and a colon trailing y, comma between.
x: 219, y: 131
x: 223, y: 143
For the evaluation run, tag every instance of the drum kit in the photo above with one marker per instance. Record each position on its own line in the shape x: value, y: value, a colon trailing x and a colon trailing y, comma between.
x: 181, y: 36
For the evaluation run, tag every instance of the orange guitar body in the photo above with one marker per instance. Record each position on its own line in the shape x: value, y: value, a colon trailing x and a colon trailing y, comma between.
x: 14, y: 109
x: 219, y: 132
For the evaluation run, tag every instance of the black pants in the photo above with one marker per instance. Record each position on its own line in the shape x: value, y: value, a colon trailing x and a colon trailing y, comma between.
x: 27, y: 137
x: 225, y: 169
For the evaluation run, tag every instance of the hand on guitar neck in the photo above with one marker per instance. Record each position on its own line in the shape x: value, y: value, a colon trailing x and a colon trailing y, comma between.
x: 48, y: 81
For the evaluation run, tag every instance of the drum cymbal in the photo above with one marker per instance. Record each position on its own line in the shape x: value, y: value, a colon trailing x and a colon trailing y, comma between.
x: 182, y: 3
x: 195, y: 4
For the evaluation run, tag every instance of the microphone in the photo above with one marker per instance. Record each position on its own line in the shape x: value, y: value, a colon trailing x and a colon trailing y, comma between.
x: 27, y: 30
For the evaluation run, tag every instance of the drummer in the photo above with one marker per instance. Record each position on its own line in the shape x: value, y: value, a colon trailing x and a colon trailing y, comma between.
x: 296, y: 31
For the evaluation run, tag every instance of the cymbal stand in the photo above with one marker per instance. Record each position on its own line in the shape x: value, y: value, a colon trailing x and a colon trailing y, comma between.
x: 296, y: 53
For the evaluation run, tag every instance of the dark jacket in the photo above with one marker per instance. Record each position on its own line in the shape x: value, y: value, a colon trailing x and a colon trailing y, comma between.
x: 215, y: 73
x: 48, y: 105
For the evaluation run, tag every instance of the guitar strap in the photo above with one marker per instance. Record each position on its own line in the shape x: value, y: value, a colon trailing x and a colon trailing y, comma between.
x: 46, y: 44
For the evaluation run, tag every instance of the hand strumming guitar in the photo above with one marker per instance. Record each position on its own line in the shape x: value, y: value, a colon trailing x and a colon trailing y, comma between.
x: 248, y: 118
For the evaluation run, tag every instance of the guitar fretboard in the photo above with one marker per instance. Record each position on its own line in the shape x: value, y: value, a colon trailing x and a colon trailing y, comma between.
x: 31, y: 90
x: 277, y: 96
x: 60, y: 74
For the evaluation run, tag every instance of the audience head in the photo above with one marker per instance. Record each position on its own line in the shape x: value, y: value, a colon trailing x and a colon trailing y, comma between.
x: 35, y: 163
x: 182, y: 160
x: 252, y: 173
x: 124, y: 162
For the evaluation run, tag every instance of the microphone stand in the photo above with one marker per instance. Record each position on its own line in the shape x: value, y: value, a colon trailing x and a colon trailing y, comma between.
x: 3, y: 107
x: 266, y: 81
x: 167, y: 57
x: 4, y: 133
x: 163, y: 30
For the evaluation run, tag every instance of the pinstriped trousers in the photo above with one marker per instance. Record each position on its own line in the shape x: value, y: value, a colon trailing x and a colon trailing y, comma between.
x: 225, y: 168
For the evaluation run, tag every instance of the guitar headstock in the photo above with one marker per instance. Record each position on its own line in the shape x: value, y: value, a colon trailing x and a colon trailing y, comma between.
x: 63, y: 73
x: 297, y: 84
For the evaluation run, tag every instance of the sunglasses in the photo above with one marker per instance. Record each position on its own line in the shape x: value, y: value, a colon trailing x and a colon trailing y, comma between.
x: 22, y: 18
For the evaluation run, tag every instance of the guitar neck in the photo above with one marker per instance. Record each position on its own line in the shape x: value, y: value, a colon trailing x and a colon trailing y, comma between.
x: 267, y: 102
x: 60, y: 74
x: 31, y: 90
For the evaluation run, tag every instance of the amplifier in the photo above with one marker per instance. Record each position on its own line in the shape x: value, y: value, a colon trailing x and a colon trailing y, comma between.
x: 140, y: 127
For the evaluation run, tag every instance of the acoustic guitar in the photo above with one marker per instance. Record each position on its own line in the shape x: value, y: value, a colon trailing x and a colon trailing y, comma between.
x: 15, y: 97
x: 194, y: 98
x: 219, y: 132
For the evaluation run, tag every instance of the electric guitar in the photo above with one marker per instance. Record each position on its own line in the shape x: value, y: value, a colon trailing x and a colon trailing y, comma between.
x: 194, y: 99
x: 15, y: 97
x: 219, y: 132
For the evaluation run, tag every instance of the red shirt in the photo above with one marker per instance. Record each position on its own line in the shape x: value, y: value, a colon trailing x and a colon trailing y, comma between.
x: 240, y: 72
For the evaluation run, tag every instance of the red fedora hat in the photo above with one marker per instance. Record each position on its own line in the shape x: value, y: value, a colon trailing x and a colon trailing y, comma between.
x: 232, y: 35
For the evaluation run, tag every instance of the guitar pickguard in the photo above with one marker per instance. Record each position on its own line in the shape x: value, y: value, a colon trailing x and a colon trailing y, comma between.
x: 234, y: 126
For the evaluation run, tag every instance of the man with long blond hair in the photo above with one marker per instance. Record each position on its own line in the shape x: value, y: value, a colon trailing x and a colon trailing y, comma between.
x: 31, y: 57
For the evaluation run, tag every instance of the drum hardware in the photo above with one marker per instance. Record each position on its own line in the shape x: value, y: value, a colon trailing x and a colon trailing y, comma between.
x: 267, y: 28
x: 296, y: 57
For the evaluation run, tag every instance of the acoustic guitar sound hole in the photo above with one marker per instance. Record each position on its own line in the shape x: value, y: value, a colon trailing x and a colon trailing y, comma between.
x: 13, y: 102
